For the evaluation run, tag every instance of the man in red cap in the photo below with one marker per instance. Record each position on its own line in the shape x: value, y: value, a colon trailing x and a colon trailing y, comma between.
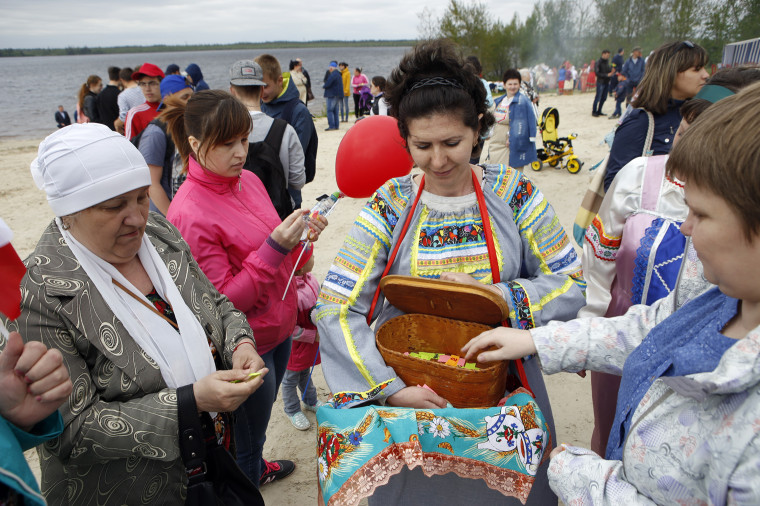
x: 148, y: 78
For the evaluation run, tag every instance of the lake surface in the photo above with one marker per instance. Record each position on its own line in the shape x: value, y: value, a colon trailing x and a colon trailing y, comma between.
x: 31, y: 88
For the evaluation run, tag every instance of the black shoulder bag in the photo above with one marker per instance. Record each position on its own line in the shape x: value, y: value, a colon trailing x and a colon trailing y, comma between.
x: 213, y: 476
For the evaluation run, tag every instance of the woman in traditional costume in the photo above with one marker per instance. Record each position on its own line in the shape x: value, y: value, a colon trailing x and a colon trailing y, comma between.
x: 440, y: 224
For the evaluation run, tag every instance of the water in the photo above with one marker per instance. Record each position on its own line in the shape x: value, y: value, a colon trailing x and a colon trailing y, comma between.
x: 33, y: 87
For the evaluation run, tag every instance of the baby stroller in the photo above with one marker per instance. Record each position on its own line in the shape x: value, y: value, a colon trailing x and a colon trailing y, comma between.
x: 555, y: 148
x: 365, y: 101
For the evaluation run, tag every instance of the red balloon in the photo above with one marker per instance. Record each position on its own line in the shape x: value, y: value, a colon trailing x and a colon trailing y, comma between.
x: 371, y: 153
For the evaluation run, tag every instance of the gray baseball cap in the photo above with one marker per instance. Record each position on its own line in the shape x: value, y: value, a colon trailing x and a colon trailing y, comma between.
x: 246, y: 73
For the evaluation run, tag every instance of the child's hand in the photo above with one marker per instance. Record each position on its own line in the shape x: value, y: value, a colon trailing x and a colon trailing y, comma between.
x: 510, y: 344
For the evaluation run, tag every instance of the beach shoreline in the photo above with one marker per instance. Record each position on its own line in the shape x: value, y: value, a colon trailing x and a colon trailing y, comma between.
x: 25, y: 210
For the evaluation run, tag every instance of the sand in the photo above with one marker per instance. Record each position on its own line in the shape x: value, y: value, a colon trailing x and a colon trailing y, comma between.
x: 25, y: 210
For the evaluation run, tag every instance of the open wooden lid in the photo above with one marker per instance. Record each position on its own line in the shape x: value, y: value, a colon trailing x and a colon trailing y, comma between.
x: 445, y: 298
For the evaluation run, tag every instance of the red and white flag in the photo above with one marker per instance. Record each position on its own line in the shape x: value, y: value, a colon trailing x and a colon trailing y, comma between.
x: 12, y: 269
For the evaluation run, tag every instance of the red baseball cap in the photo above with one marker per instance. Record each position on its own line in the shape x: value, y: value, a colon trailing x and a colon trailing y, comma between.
x: 147, y: 69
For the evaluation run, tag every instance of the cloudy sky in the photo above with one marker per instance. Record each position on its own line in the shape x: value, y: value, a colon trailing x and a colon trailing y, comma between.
x: 61, y: 23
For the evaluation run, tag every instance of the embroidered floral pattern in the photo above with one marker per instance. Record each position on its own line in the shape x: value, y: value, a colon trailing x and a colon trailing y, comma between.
x: 604, y: 247
x: 346, y: 399
x: 451, y: 235
x: 522, y: 194
x: 381, y: 207
x: 521, y: 304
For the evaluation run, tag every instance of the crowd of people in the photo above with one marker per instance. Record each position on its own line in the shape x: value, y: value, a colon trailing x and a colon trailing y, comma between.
x: 174, y: 284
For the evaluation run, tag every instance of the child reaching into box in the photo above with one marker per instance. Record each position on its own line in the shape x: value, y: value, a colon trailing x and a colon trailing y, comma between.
x: 304, y: 351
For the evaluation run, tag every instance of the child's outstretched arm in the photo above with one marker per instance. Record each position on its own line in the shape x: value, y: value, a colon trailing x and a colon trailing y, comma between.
x: 510, y: 344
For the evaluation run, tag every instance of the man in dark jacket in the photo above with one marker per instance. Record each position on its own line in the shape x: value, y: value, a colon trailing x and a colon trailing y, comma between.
x: 603, y: 72
x: 108, y: 99
x: 194, y: 73
x: 62, y: 117
x: 333, y: 94
x: 280, y: 100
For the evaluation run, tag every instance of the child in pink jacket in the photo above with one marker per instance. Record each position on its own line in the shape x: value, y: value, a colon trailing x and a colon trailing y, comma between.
x: 305, y: 350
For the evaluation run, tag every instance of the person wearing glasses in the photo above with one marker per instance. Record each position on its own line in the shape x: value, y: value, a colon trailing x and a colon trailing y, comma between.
x: 148, y: 78
x: 675, y: 73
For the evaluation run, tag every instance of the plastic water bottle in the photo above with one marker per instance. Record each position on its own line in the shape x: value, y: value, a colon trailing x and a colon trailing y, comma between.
x: 323, y: 208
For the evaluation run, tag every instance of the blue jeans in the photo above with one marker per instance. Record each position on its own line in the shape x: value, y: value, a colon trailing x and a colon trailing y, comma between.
x: 333, y: 103
x: 619, y: 100
x: 344, y: 109
x: 252, y: 417
x: 600, y: 97
x: 291, y: 401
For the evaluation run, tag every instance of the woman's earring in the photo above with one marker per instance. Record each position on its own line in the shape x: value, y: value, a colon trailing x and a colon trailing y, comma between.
x: 65, y: 225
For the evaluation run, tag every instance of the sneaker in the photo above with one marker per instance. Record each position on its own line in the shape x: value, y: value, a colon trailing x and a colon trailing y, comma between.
x: 595, y: 114
x: 300, y: 421
x: 315, y: 407
x: 614, y: 116
x: 276, y: 470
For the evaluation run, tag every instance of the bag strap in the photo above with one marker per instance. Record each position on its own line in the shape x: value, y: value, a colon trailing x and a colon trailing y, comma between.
x: 495, y: 274
x: 192, y: 446
x: 276, y: 133
x: 650, y: 135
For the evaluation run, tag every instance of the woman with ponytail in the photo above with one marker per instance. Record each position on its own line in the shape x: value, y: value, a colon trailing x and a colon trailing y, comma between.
x: 225, y: 215
x: 87, y: 109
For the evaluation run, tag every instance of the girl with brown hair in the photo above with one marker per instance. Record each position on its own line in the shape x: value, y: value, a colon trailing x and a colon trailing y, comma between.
x: 235, y: 234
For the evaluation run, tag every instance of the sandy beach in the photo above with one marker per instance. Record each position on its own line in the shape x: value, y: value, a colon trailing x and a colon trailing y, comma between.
x: 26, y: 211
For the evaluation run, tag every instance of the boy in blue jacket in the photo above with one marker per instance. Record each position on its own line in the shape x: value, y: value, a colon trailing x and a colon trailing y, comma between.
x: 280, y: 99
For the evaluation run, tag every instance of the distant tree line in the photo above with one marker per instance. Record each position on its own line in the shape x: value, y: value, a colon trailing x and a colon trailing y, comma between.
x: 577, y: 30
x: 201, y: 47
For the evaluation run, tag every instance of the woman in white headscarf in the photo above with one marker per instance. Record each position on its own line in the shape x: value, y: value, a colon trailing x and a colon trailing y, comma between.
x: 117, y: 291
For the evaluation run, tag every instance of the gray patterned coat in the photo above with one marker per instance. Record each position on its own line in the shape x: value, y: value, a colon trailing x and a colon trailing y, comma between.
x: 120, y: 444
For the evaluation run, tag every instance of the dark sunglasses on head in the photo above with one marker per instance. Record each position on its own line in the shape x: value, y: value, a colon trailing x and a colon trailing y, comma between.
x: 685, y: 43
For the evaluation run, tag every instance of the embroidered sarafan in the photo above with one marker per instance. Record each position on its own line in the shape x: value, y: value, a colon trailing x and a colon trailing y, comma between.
x: 540, y: 271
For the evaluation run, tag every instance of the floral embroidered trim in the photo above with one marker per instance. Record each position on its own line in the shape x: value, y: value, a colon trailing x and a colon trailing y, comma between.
x: 347, y: 399
x: 521, y: 195
x: 604, y: 247
x: 450, y: 235
x: 523, y: 316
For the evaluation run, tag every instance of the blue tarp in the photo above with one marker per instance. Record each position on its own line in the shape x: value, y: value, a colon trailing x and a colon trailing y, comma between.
x: 737, y: 53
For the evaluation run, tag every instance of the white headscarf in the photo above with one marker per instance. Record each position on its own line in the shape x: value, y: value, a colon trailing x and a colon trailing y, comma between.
x: 183, y: 357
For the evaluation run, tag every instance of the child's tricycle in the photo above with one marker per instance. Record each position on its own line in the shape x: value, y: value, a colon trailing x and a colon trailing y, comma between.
x: 555, y: 148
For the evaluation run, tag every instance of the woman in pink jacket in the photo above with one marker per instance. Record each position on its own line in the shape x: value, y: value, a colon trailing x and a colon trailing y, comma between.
x: 358, y: 83
x: 225, y: 215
